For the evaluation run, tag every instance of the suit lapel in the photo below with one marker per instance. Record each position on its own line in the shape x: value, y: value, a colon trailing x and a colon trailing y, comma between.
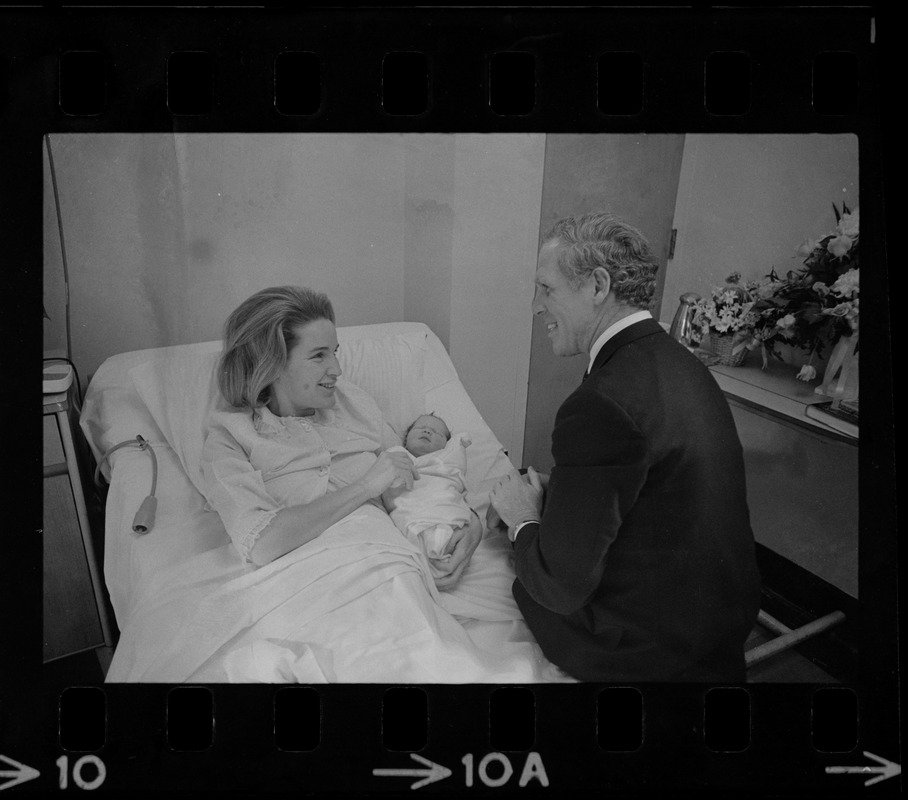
x: 646, y: 327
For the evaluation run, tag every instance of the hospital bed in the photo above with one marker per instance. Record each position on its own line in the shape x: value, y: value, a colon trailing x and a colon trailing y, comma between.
x: 355, y: 605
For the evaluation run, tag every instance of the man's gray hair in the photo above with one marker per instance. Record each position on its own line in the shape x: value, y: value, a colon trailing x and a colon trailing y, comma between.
x: 601, y: 240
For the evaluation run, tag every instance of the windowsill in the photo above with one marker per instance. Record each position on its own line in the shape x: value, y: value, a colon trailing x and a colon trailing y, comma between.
x: 776, y: 392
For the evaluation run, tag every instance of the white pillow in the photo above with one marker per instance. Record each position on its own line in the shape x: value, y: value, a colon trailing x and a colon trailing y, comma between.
x: 180, y: 391
x: 486, y: 459
x: 390, y: 368
x: 180, y: 388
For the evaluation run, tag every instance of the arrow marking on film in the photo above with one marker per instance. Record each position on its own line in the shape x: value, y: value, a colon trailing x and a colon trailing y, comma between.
x: 436, y: 772
x: 889, y: 769
x: 20, y: 774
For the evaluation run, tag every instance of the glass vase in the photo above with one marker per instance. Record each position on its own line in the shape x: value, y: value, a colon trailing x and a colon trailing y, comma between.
x: 840, y: 381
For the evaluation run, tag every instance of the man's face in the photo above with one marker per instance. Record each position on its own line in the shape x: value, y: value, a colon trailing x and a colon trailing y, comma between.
x: 567, y: 313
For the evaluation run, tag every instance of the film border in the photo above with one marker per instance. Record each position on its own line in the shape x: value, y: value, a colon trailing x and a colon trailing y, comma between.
x: 674, y: 43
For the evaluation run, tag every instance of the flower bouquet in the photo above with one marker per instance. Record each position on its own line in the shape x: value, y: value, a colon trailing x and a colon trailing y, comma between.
x: 727, y: 318
x: 814, y: 307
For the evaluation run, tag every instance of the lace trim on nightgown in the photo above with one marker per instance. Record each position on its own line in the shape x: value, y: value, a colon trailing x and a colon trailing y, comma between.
x: 252, y: 536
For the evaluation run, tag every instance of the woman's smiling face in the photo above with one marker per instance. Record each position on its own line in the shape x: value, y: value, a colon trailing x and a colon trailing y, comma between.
x: 309, y: 379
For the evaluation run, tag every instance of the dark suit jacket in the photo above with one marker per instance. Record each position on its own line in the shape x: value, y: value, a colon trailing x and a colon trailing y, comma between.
x: 643, y: 566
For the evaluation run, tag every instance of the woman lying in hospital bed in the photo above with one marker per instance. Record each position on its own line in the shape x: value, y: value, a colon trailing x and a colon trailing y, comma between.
x: 294, y: 463
x: 302, y: 451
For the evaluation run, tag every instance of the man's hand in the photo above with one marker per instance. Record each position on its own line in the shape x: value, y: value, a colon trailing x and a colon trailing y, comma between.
x: 492, y: 518
x: 515, y: 500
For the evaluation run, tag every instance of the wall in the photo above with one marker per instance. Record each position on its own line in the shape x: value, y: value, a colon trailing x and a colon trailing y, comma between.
x: 498, y: 184
x: 429, y: 219
x: 472, y: 225
x: 635, y: 176
x: 746, y: 202
x: 166, y: 234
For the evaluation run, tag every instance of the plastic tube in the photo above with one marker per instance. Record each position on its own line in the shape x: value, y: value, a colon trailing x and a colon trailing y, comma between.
x: 143, y: 521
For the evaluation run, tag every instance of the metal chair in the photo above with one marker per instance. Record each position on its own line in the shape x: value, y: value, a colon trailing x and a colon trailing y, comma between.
x: 786, y: 637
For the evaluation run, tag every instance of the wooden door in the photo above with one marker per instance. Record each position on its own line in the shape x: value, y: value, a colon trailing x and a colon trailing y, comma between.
x: 634, y: 176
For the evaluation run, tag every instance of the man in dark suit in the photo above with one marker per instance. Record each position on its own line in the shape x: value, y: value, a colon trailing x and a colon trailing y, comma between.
x: 635, y: 559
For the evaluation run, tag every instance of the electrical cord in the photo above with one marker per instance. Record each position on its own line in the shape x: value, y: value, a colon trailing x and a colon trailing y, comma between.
x: 144, y: 518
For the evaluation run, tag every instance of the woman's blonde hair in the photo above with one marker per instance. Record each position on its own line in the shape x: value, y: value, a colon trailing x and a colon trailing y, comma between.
x: 258, y: 338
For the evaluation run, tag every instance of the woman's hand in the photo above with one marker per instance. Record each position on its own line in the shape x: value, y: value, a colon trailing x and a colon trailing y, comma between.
x: 462, y: 546
x: 391, y: 469
x: 296, y: 525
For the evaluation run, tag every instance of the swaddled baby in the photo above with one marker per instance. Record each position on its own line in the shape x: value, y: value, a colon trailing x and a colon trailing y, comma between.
x: 428, y: 513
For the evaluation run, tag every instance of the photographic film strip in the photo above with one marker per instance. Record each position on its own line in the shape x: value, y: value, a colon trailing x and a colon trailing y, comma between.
x: 802, y: 71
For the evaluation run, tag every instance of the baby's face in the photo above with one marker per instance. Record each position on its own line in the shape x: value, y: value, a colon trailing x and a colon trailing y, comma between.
x: 427, y: 435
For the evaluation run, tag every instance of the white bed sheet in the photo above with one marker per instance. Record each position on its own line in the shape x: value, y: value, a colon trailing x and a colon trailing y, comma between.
x: 355, y: 605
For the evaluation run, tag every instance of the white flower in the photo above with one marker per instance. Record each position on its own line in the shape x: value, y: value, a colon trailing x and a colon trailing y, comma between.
x: 786, y: 322
x: 807, y: 373
x: 848, y: 284
x: 849, y: 224
x: 853, y: 316
x: 820, y: 288
x: 767, y: 289
x: 841, y: 310
x: 839, y: 246
x: 729, y: 310
x: 807, y: 247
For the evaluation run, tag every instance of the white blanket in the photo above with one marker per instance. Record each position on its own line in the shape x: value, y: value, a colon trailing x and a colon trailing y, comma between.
x: 356, y: 605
